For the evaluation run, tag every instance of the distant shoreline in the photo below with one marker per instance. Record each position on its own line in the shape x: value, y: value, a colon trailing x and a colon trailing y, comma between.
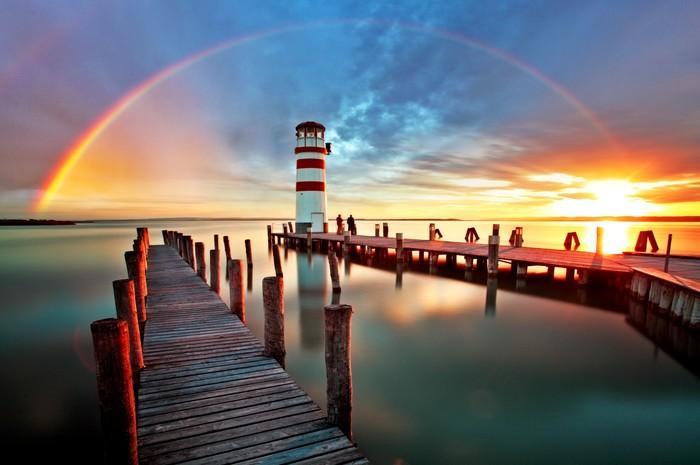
x: 642, y: 219
x: 16, y: 222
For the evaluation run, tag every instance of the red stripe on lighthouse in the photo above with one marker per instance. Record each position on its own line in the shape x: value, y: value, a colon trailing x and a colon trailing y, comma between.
x: 311, y: 186
x: 311, y: 163
x: 310, y: 149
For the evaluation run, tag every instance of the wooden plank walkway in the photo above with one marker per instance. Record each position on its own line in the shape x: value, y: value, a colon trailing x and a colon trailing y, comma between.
x: 208, y: 396
x: 686, y: 269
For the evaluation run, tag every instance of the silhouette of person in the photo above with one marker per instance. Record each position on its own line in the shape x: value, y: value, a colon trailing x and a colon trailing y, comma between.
x: 339, y: 222
x: 351, y: 225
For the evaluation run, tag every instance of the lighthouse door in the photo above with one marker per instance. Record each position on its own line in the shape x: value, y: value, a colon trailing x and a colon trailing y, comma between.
x: 317, y: 220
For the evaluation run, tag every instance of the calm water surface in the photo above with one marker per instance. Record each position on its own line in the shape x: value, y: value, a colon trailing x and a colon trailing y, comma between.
x: 550, y: 374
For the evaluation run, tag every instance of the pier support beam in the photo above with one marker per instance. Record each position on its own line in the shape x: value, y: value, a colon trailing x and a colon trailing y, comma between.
x: 237, y: 296
x: 110, y: 338
x: 385, y: 229
x: 492, y: 262
x: 276, y: 260
x: 399, y: 248
x: 214, y: 280
x: 137, y: 273
x: 248, y: 253
x: 338, y: 367
x: 201, y: 263
x: 273, y: 301
x: 125, y: 304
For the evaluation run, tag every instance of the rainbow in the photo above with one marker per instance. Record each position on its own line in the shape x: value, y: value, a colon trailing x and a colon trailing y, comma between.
x: 72, y: 155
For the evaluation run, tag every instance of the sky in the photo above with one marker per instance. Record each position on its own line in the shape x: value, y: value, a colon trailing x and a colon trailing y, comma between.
x: 457, y: 109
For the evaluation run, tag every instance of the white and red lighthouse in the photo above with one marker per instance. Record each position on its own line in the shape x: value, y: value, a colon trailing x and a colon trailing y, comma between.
x: 311, y: 151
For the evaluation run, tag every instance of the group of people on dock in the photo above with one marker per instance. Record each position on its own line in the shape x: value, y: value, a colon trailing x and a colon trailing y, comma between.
x: 352, y: 227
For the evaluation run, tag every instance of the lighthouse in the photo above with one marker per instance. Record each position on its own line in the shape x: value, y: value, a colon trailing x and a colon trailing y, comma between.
x: 311, y: 151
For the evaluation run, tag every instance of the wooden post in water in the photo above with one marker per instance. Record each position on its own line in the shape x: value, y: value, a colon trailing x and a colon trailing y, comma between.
x: 291, y: 228
x: 346, y: 243
x: 492, y: 262
x: 269, y: 234
x: 277, y: 261
x: 110, y: 338
x: 216, y: 242
x: 376, y: 229
x: 214, y: 280
x: 385, y: 229
x: 431, y: 232
x: 338, y: 367
x: 227, y: 250
x: 248, y: 253
x: 668, y: 252
x: 286, y: 233
x: 399, y: 247
x: 201, y: 263
x: 136, y: 272
x: 164, y: 232
x: 599, y: 240
x: 333, y: 265
x: 125, y: 303
x: 235, y: 273
x: 309, y: 241
x: 273, y: 302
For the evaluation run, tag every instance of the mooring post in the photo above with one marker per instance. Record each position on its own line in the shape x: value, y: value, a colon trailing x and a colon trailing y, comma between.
x: 385, y: 229
x: 491, y: 291
x: 110, y: 339
x: 431, y: 232
x: 273, y: 302
x: 248, y: 253
x: 519, y: 236
x: 599, y: 240
x: 399, y: 247
x: 201, y: 263
x: 291, y: 228
x: 269, y: 234
x: 214, y: 281
x: 125, y: 304
x: 284, y: 231
x: 338, y: 367
x: 309, y: 241
x: 136, y: 272
x: 216, y: 242
x: 333, y: 265
x: 227, y: 250
x: 237, y: 296
x: 277, y: 261
x: 668, y: 252
x: 165, y: 236
x: 346, y: 243
x: 492, y: 262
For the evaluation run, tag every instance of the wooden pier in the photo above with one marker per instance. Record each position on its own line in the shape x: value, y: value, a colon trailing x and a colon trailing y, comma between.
x: 675, y: 292
x: 207, y: 393
x: 210, y: 392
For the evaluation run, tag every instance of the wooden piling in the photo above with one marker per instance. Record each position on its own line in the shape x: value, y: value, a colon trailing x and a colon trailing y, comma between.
x: 492, y: 261
x: 110, y: 339
x: 201, y: 262
x: 269, y: 234
x: 599, y: 240
x: 164, y: 232
x: 668, y: 252
x: 333, y: 266
x: 248, y: 253
x: 273, y: 302
x: 227, y: 250
x: 285, y: 232
x: 399, y: 247
x: 385, y: 229
x: 237, y: 296
x: 291, y: 228
x: 376, y: 229
x: 431, y: 232
x: 521, y: 270
x: 137, y: 273
x: 214, y: 280
x: 338, y: 367
x: 277, y: 261
x: 309, y: 241
x: 125, y: 304
x: 216, y: 242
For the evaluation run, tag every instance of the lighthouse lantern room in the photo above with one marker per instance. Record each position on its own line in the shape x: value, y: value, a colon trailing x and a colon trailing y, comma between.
x: 311, y: 151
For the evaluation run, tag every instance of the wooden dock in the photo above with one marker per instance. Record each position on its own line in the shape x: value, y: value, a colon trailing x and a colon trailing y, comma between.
x: 675, y: 291
x: 207, y: 395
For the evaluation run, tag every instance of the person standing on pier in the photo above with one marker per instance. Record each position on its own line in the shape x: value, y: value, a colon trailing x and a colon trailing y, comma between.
x: 351, y: 225
x: 339, y: 222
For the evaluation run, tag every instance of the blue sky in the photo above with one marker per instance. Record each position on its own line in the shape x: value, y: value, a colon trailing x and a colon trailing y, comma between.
x: 422, y: 122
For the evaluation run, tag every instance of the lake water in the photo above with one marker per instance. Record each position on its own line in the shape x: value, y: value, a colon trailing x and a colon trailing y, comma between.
x: 551, y: 374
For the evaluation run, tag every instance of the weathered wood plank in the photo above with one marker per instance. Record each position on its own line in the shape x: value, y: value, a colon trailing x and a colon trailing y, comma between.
x: 207, y: 394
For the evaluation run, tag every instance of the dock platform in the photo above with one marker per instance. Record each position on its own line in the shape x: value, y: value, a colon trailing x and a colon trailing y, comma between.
x: 207, y: 394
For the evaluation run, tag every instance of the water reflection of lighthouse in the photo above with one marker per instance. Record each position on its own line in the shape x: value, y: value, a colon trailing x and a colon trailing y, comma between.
x: 312, y: 272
